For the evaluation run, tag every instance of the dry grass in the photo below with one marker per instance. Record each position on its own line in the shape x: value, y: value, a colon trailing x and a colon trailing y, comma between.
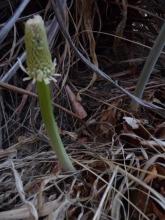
x: 119, y: 155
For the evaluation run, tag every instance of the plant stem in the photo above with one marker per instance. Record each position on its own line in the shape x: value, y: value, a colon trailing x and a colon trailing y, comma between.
x: 149, y: 66
x: 51, y: 125
x: 41, y: 70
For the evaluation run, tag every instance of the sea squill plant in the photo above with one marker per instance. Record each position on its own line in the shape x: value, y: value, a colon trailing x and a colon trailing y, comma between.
x: 41, y: 70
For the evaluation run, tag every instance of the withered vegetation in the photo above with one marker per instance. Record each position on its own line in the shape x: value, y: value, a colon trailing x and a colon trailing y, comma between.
x: 119, y: 154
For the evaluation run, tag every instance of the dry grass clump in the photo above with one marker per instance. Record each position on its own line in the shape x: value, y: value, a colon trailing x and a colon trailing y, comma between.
x: 119, y: 155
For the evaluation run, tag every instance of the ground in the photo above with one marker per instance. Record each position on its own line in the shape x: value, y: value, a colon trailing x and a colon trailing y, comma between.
x: 118, y: 152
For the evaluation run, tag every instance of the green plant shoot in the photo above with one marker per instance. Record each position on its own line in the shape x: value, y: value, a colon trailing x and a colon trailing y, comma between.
x: 149, y: 66
x: 40, y: 69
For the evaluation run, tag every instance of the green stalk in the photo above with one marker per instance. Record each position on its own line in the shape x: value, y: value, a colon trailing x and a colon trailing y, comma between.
x: 41, y: 70
x: 149, y: 66
x: 43, y: 91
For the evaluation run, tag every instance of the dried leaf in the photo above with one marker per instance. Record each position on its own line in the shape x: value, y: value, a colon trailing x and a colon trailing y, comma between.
x: 132, y: 122
x: 160, y: 131
x: 133, y: 125
x: 152, y: 175
x: 109, y: 115
x: 77, y: 107
x: 107, y: 121
x: 142, y: 197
